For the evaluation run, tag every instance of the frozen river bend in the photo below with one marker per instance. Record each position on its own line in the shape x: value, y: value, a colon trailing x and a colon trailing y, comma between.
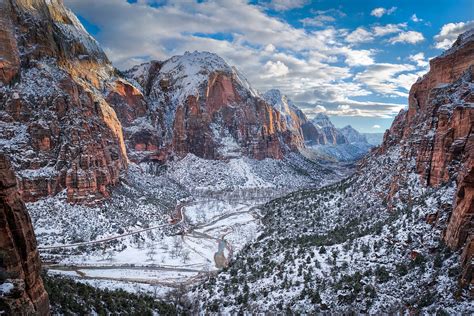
x: 163, y: 230
x: 203, y: 236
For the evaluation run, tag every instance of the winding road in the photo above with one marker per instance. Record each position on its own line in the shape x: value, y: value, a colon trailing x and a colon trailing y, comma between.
x: 179, y: 209
x: 178, y: 218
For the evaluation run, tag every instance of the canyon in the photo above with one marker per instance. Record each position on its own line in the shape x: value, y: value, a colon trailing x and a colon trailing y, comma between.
x: 178, y: 173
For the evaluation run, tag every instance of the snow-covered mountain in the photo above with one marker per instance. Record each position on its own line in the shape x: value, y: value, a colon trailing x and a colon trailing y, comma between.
x: 352, y: 135
x: 333, y: 135
x: 323, y: 141
x: 286, y: 108
x: 201, y: 105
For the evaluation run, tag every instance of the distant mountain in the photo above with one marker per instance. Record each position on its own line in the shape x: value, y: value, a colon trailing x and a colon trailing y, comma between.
x: 374, y: 138
x: 295, y: 118
x: 350, y: 144
x: 332, y: 134
x: 352, y: 135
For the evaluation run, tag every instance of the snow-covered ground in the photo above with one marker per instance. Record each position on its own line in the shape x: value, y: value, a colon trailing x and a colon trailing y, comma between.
x: 168, y: 225
x: 165, y: 260
x: 346, y: 247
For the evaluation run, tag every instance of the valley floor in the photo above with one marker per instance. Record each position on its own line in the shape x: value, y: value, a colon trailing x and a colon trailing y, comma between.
x: 168, y: 227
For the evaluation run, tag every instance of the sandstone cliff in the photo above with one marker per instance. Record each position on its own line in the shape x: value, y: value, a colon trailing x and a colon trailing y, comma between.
x: 331, y: 134
x: 296, y: 119
x: 200, y: 105
x: 437, y: 131
x: 20, y: 281
x: 54, y: 122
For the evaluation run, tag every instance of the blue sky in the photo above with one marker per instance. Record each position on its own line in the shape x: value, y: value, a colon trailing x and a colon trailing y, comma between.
x: 353, y: 60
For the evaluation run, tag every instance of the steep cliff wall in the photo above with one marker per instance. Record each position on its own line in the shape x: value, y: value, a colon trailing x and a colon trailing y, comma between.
x: 20, y: 281
x: 437, y: 130
x: 200, y: 105
x: 54, y: 121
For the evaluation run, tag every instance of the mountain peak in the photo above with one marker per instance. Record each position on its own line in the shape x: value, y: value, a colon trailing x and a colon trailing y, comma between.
x: 322, y: 120
x: 197, y: 60
x: 462, y: 40
x: 277, y: 99
x: 352, y: 135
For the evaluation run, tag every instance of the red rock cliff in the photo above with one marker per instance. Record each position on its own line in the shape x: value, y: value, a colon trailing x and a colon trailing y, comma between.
x: 19, y: 260
x: 55, y: 124
x: 437, y: 130
x: 200, y: 105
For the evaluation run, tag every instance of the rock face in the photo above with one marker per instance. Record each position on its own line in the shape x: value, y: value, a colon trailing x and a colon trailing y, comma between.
x: 437, y: 131
x: 296, y: 119
x: 54, y: 122
x: 200, y: 105
x: 331, y: 134
x: 352, y: 135
x: 19, y: 260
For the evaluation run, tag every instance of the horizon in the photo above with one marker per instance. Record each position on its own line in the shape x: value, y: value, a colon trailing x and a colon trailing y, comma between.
x: 353, y: 61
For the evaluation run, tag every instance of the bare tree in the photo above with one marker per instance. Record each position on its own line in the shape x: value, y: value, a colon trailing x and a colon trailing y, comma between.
x: 185, y: 256
x: 151, y: 252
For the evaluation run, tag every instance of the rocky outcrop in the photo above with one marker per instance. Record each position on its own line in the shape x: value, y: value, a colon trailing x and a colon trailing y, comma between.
x: 200, y: 105
x: 296, y: 119
x: 10, y: 62
x: 352, y: 135
x: 331, y: 134
x: 54, y: 120
x: 20, y: 280
x: 437, y: 132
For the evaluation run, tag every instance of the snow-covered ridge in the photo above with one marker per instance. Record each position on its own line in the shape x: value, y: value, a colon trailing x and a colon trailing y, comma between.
x: 76, y: 31
x: 284, y: 105
x: 279, y: 101
x: 321, y: 120
x: 352, y: 135
x: 462, y: 40
x: 189, y: 73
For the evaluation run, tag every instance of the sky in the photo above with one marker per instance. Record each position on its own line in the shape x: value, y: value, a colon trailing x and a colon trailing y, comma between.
x: 353, y: 60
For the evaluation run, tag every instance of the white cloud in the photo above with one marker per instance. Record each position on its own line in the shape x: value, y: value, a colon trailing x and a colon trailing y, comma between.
x: 335, y: 100
x: 359, y: 35
x: 275, y: 69
x: 419, y: 59
x: 285, y: 5
x: 363, y: 35
x: 382, y: 30
x: 358, y: 57
x: 319, y: 108
x: 270, y: 48
x: 388, y: 79
x: 415, y: 19
x: 376, y: 126
x: 410, y: 37
x: 449, y: 33
x: 379, y: 12
x: 355, y: 108
x: 323, y: 17
x: 319, y: 20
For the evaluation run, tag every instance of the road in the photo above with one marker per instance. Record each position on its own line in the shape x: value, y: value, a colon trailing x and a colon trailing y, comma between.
x: 179, y: 208
x: 179, y: 217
